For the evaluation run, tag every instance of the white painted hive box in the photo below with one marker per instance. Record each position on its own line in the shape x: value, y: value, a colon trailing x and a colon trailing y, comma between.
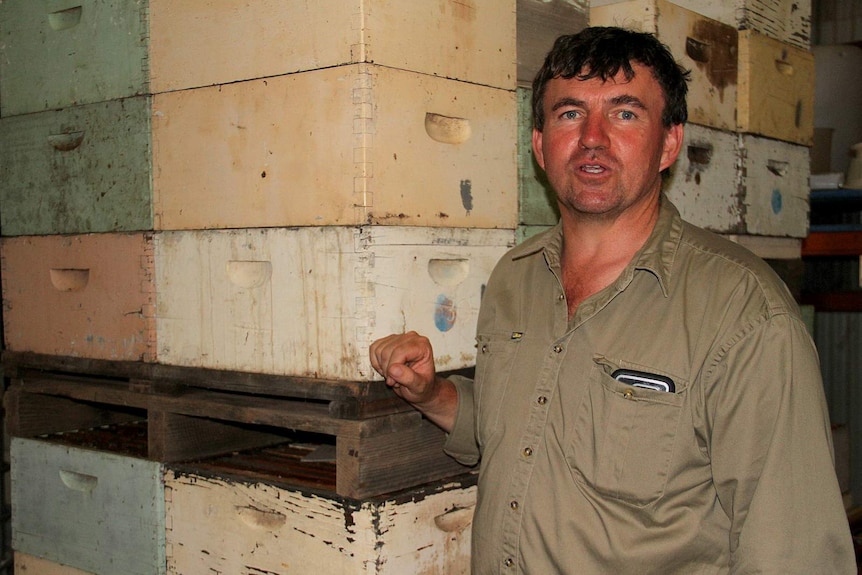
x: 309, y: 301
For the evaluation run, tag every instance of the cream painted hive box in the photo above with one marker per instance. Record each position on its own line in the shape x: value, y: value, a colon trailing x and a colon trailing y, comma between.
x: 776, y: 89
x: 705, y: 46
x: 309, y: 301
x: 219, y: 525
x: 351, y: 145
x: 60, y: 53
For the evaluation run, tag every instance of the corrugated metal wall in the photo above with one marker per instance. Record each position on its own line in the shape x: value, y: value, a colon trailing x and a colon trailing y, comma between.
x: 839, y: 340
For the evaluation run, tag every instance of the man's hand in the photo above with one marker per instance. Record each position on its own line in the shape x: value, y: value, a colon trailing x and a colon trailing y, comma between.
x: 406, y: 362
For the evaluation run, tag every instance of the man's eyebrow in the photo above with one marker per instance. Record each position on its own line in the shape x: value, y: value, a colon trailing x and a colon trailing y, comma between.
x: 622, y: 100
x: 566, y: 103
x: 628, y: 100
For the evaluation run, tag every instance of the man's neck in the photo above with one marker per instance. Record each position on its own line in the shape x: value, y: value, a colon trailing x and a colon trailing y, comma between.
x: 597, y: 250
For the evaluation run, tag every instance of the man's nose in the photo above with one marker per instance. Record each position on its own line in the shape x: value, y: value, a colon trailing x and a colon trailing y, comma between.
x: 594, y: 132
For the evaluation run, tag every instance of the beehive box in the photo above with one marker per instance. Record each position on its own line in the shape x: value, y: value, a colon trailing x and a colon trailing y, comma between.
x: 61, y: 53
x: 308, y: 301
x: 774, y: 187
x: 348, y: 145
x: 704, y: 182
x: 77, y: 170
x: 99, y: 512
x: 705, y: 46
x: 88, y: 295
x: 776, y: 89
x: 221, y: 525
x: 741, y: 184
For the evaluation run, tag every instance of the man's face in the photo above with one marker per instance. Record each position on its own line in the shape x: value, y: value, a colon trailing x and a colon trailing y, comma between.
x: 603, y: 144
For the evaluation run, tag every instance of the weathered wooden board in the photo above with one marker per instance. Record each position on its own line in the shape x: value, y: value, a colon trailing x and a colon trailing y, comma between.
x: 540, y: 22
x: 704, y: 182
x: 77, y: 170
x: 222, y: 525
x: 357, y: 144
x: 776, y: 89
x: 87, y: 295
x: 309, y: 301
x: 113, y: 508
x: 705, y: 46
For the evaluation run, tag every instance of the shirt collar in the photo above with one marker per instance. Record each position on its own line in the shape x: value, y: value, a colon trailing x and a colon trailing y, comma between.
x: 656, y: 256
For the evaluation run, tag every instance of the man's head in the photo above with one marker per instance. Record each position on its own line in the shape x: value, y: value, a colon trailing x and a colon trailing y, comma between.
x: 602, y: 52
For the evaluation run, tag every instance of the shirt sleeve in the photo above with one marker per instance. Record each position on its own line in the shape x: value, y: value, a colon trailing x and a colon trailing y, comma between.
x: 461, y: 442
x: 772, y: 456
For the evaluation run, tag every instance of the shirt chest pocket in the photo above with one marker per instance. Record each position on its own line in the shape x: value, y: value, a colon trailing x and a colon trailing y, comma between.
x: 494, y: 363
x: 622, y: 438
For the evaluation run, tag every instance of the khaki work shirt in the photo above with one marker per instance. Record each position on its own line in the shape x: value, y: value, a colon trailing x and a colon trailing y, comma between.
x: 582, y: 474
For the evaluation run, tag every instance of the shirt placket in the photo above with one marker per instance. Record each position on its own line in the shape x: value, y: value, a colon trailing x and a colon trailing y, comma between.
x: 531, y: 440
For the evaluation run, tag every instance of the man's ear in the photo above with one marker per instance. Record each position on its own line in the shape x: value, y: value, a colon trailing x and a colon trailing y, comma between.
x: 537, y: 148
x: 672, y: 145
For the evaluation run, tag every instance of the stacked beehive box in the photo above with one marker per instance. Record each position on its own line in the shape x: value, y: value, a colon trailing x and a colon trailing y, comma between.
x: 215, y: 132
x: 744, y: 167
x: 256, y: 188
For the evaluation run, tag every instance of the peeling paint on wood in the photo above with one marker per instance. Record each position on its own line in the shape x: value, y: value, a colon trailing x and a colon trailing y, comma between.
x: 704, y: 180
x: 224, y: 526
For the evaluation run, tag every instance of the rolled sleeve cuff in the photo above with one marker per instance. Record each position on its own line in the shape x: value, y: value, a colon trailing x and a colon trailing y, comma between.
x: 461, y: 442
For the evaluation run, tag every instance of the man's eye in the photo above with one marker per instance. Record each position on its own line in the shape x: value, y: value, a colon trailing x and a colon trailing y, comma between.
x: 570, y: 115
x: 627, y: 115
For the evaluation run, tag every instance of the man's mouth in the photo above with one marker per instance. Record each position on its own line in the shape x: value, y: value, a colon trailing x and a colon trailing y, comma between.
x: 592, y: 168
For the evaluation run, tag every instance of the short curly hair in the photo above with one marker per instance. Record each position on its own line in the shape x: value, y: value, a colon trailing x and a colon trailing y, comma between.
x: 602, y: 52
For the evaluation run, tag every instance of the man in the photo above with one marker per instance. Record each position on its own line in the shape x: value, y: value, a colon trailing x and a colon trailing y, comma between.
x: 647, y: 398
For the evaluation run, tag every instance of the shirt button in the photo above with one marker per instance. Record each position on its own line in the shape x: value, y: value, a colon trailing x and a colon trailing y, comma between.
x: 514, y: 505
x: 484, y: 349
x: 542, y: 400
x: 528, y: 451
x: 628, y: 394
x: 508, y: 562
x: 558, y: 349
x: 562, y: 296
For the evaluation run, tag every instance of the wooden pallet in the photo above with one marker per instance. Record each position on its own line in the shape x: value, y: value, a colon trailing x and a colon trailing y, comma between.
x: 379, y: 443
